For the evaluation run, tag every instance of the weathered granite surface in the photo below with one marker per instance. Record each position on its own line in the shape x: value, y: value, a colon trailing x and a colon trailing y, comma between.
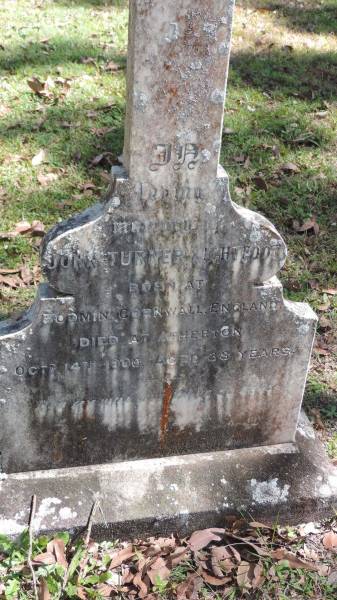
x: 286, y: 483
x: 162, y: 329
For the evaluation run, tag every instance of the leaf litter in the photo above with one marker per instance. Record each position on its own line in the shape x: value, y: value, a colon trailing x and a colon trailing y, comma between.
x: 234, y: 561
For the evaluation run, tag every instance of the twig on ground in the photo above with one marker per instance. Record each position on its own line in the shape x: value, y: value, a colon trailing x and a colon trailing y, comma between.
x: 30, y: 547
x: 90, y: 521
x: 86, y: 539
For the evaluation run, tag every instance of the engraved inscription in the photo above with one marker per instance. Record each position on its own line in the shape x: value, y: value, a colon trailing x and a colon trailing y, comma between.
x: 160, y: 360
x: 181, y: 154
x: 216, y: 308
x: 157, y: 257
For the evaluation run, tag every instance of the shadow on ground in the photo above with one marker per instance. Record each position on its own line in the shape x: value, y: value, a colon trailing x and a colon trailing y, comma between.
x: 307, y: 75
x: 307, y: 16
x: 61, y: 51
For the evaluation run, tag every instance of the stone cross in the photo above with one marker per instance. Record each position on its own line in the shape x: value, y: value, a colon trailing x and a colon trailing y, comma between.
x: 162, y: 328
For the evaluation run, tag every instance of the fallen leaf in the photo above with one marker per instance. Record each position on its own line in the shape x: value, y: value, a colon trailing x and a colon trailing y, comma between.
x: 324, y: 323
x: 308, y: 225
x: 112, y: 66
x: 258, y: 525
x: 245, y: 574
x: 26, y: 275
x: 46, y: 179
x: 87, y: 186
x: 258, y: 578
x: 121, y: 556
x: 57, y: 547
x: 321, y: 351
x: 44, y: 593
x: 290, y: 168
x: 36, y: 85
x: 139, y: 583
x: 318, y: 419
x: 323, y: 307
x: 13, y: 158
x: 330, y: 540
x: 158, y: 569
x: 38, y: 228
x: 99, y: 158
x: 39, y: 158
x: 211, y: 580
x: 80, y: 591
x: 221, y: 560
x: 293, y: 561
x: 190, y: 587
x: 9, y: 271
x: 201, y: 539
x: 46, y: 558
x: 12, y: 282
x: 330, y: 292
x: 105, y: 590
x: 332, y: 579
x: 87, y: 60
x: 101, y: 131
x: 260, y: 183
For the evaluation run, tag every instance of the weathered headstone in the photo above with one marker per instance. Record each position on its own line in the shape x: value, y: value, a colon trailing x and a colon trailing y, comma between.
x: 162, y: 329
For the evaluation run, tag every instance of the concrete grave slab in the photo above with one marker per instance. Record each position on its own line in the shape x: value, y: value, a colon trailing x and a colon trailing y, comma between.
x: 283, y: 484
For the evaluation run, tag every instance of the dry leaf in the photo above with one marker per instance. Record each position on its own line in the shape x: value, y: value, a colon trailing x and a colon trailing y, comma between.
x: 322, y: 351
x: 221, y: 560
x: 112, y: 66
x: 101, y: 131
x: 80, y: 591
x: 332, y: 579
x: 26, y: 275
x: 323, y: 307
x: 158, y: 569
x: 308, y: 225
x: 260, y: 183
x: 99, y: 158
x: 293, y: 560
x: 88, y: 60
x: 330, y: 292
x: 44, y: 593
x: 330, y: 540
x: 38, y: 228
x: 9, y: 271
x: 105, y: 590
x: 290, y: 168
x: 258, y: 525
x: 39, y: 158
x: 201, y: 539
x: 46, y: 179
x: 258, y: 578
x: 139, y: 583
x: 36, y: 85
x: 12, y: 282
x: 121, y: 556
x: 245, y: 574
x: 47, y: 558
x: 13, y: 158
x: 190, y: 587
x: 57, y: 547
x: 211, y: 580
x: 324, y: 323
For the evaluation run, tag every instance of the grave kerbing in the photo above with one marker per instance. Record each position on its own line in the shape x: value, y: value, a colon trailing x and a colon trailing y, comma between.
x: 162, y: 330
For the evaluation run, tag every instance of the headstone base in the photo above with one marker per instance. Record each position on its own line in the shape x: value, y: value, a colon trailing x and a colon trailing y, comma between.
x: 287, y: 483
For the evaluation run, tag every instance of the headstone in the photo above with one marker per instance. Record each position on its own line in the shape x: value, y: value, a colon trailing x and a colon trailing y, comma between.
x: 162, y: 328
